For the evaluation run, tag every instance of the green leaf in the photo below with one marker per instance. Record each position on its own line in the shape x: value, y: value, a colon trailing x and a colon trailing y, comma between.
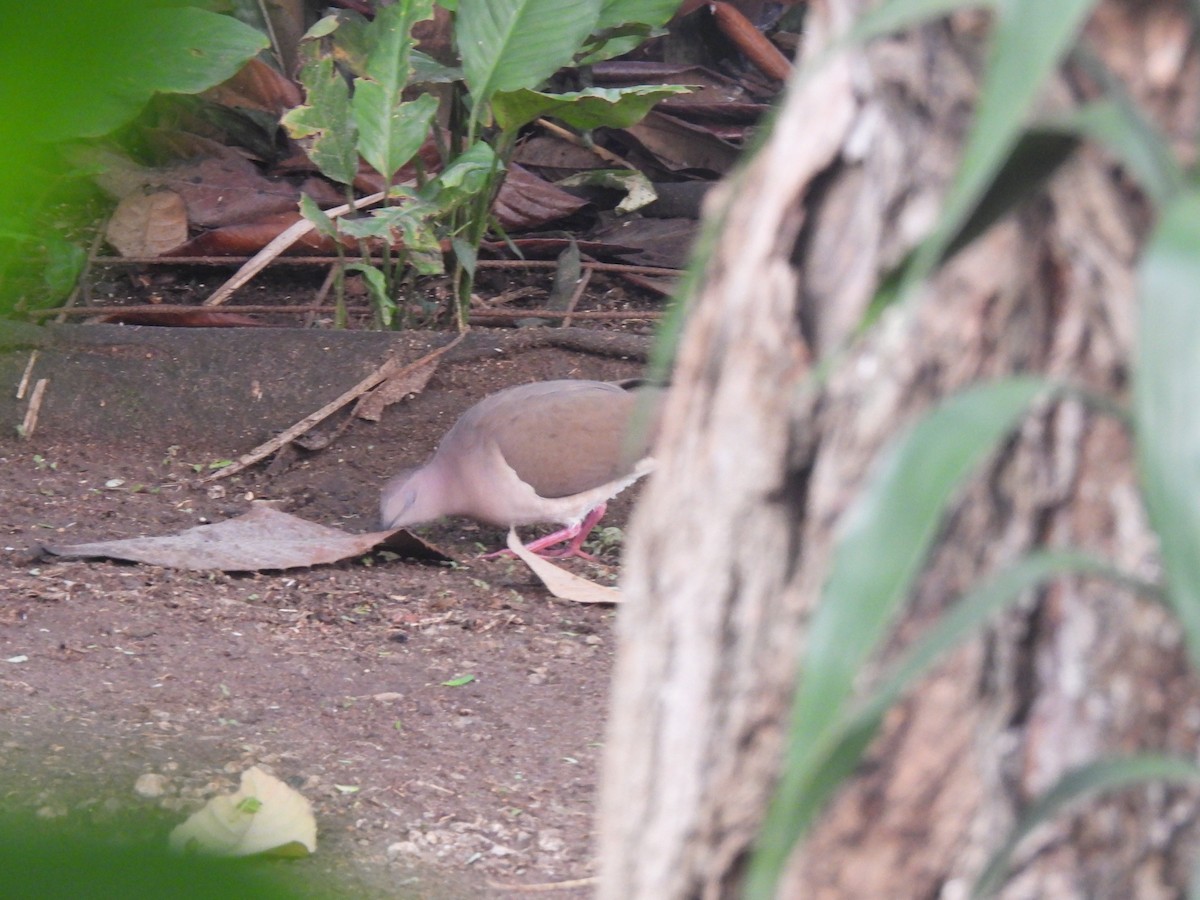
x: 390, y: 136
x: 1120, y: 127
x: 639, y: 191
x: 842, y: 752
x: 885, y: 535
x: 458, y: 681
x: 80, y: 70
x: 638, y: 12
x: 507, y: 45
x: 1029, y: 39
x: 1166, y: 385
x: 464, y: 179
x: 427, y: 70
x: 1094, y: 778
x: 586, y: 109
x: 391, y: 131
x: 324, y: 225
x: 326, y: 118
x: 385, y: 306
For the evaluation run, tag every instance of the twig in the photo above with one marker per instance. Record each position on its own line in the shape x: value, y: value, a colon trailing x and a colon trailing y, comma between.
x: 24, y: 385
x: 545, y: 886
x: 389, y: 369
x: 597, y: 315
x: 322, y: 293
x: 574, y: 301
x: 35, y: 408
x: 328, y: 260
x: 282, y: 241
x: 172, y: 309
x: 83, y: 289
x: 571, y: 137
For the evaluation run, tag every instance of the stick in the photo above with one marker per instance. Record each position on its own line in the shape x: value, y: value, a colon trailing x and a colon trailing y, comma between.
x: 285, y: 239
x: 383, y: 373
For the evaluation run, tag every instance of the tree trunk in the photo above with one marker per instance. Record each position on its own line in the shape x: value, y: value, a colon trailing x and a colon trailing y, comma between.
x: 731, y: 545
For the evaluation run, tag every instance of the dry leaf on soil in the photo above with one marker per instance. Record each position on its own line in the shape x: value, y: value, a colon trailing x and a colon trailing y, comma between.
x: 263, y: 538
x: 264, y: 816
x: 559, y: 582
x: 148, y: 224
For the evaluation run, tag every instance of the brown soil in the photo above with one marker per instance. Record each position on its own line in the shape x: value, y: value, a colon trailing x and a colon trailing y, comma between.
x: 332, y: 678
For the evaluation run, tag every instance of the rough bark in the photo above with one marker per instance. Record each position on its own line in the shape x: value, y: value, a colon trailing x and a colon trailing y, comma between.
x: 732, y: 542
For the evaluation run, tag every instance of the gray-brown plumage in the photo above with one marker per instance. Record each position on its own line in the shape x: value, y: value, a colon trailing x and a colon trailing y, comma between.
x: 551, y: 451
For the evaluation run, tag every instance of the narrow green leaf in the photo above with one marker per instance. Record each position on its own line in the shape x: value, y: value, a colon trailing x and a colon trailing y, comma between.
x: 586, y: 109
x: 885, y: 536
x: 391, y: 131
x: 1030, y: 37
x: 897, y: 15
x: 458, y: 681
x: 1166, y: 411
x: 507, y: 45
x: 1094, y: 778
x: 1120, y: 127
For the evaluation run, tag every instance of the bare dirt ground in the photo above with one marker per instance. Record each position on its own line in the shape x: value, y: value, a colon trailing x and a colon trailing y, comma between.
x: 332, y: 678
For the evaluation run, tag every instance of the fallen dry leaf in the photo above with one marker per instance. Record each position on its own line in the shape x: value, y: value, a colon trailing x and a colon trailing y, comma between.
x: 148, y: 224
x: 264, y: 816
x: 559, y: 582
x: 263, y: 538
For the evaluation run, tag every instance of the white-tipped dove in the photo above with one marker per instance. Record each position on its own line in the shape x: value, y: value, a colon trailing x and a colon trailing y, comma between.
x: 551, y: 451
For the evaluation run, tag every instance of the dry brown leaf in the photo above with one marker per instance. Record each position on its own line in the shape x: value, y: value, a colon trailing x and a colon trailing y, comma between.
x: 263, y: 538
x: 148, y: 224
x: 407, y: 381
x: 559, y: 582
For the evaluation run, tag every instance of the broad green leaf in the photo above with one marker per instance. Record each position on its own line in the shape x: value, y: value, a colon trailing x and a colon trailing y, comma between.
x: 639, y: 12
x: 507, y: 45
x: 464, y: 179
x: 1029, y: 39
x: 1166, y: 383
x: 389, y: 143
x: 390, y: 131
x: 326, y: 118
x: 82, y: 72
x: 586, y: 109
x: 884, y: 538
x: 427, y: 70
x: 1086, y: 781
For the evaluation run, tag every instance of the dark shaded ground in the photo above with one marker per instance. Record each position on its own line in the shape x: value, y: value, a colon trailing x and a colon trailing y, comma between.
x: 332, y: 678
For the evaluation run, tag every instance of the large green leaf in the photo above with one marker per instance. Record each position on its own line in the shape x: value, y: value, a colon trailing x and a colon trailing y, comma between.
x: 1089, y: 780
x: 1166, y: 409
x: 885, y: 536
x: 391, y: 131
x: 82, y: 69
x: 586, y: 109
x: 507, y: 45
